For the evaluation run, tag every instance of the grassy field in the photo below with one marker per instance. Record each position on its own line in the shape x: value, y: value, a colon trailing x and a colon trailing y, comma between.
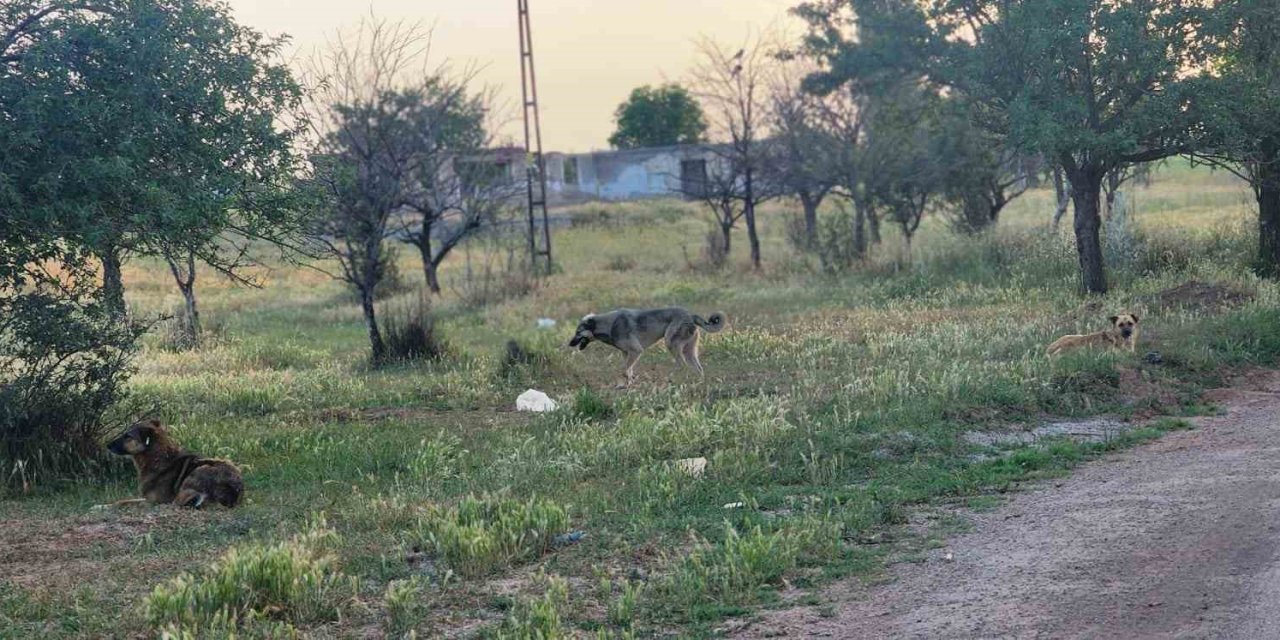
x: 414, y: 500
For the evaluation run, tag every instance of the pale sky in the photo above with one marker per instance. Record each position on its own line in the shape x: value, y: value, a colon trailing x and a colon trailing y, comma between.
x: 589, y: 53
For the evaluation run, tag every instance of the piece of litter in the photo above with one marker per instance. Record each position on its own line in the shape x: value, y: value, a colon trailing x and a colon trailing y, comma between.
x: 692, y: 466
x: 568, y: 538
x: 948, y: 557
x: 536, y: 401
x: 734, y: 505
x: 546, y: 323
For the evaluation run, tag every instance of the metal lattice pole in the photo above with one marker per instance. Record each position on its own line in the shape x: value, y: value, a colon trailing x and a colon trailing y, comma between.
x: 535, y: 166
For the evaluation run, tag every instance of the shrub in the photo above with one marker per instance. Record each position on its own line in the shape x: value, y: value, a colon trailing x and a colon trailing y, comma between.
x: 834, y: 243
x: 63, y: 368
x: 480, y: 535
x: 411, y: 333
x: 517, y: 355
x: 499, y: 271
x: 293, y: 581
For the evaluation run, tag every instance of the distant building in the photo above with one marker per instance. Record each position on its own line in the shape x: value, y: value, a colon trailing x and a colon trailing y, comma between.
x: 628, y: 174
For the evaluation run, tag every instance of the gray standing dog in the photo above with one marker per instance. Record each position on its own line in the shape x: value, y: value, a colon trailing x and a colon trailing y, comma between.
x: 632, y: 331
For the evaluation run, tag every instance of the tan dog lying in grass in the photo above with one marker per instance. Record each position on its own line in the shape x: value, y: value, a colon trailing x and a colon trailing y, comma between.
x: 169, y: 474
x: 1122, y: 334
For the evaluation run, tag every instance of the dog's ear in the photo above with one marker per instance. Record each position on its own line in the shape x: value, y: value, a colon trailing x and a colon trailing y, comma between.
x: 589, y: 323
x: 1135, y: 317
x: 1113, y: 319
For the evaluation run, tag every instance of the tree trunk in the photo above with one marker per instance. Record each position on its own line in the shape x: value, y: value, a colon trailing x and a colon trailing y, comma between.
x: 429, y: 265
x: 1113, y: 185
x: 859, y: 230
x: 191, y: 323
x: 810, y: 205
x: 112, y: 280
x: 371, y: 323
x: 873, y: 223
x: 726, y: 232
x: 1086, y: 191
x: 432, y: 268
x: 1268, y: 192
x: 1063, y: 196
x: 749, y: 213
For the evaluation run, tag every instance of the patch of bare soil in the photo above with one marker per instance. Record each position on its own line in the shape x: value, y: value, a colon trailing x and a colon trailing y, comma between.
x: 1179, y: 538
x: 1196, y: 294
x: 62, y: 553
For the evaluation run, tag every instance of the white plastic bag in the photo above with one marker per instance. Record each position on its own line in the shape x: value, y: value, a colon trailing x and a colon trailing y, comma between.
x: 536, y: 401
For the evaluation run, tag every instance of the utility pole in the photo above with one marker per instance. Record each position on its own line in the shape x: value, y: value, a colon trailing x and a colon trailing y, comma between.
x: 535, y: 167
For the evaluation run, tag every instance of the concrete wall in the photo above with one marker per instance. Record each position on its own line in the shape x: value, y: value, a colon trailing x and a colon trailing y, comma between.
x: 621, y: 175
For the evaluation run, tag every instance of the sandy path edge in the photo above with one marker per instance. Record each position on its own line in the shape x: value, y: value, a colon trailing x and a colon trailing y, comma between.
x: 1179, y: 538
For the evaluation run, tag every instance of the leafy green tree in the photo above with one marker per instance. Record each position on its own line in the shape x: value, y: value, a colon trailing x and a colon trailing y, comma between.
x: 142, y: 126
x: 1242, y: 119
x: 1090, y: 85
x: 658, y: 117
x: 148, y: 127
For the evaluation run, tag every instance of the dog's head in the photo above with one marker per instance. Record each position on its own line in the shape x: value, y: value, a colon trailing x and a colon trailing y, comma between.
x: 138, y: 439
x: 1125, y: 323
x: 585, y: 333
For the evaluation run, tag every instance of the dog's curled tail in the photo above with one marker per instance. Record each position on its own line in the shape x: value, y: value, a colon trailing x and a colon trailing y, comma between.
x: 714, y: 322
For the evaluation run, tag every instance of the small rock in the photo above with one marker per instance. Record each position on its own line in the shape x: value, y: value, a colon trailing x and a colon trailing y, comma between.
x: 568, y: 538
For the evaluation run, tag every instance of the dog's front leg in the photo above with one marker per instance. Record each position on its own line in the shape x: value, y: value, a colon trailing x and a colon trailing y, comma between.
x: 632, y: 358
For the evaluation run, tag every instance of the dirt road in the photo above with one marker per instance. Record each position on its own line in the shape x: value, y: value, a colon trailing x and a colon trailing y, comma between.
x: 1176, y: 539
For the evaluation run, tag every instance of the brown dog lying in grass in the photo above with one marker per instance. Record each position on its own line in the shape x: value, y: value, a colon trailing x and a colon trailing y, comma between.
x: 1122, y: 334
x: 168, y: 474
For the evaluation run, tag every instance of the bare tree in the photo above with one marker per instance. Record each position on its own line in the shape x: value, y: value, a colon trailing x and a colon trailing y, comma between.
x: 1117, y: 177
x: 721, y: 191
x: 733, y: 89
x: 802, y: 158
x: 842, y: 121
x: 457, y: 186
x: 365, y: 88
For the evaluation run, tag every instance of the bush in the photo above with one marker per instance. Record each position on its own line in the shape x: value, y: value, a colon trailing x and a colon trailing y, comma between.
x: 499, y: 271
x: 63, y: 367
x: 293, y: 582
x: 834, y: 244
x: 410, y: 333
x: 517, y: 355
x: 480, y: 535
